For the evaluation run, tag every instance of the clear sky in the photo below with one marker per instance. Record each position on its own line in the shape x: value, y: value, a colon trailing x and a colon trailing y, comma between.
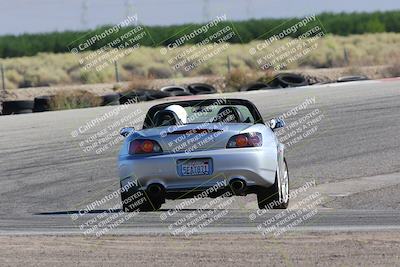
x: 19, y: 16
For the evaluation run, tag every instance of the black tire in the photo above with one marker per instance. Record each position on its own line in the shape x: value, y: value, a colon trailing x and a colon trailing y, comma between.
x: 180, y: 93
x: 289, y: 80
x: 17, y: 107
x: 154, y: 94
x: 268, y: 198
x: 24, y: 111
x: 133, y: 96
x: 173, y: 89
x: 146, y: 203
x: 201, y: 89
x: 110, y: 99
x: 352, y: 78
x: 255, y: 86
x: 41, y: 103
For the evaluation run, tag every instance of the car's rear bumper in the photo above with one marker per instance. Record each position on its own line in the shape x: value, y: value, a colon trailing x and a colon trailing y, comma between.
x: 256, y: 166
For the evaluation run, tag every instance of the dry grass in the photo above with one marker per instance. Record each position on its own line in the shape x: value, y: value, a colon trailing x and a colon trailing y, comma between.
x: 137, y: 83
x: 74, y: 99
x: 394, y: 70
x: 62, y: 69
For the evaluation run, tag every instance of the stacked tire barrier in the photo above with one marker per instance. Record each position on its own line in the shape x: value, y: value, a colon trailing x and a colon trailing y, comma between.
x: 133, y: 96
x: 352, y: 78
x: 256, y: 86
x: 285, y: 80
x: 110, y: 99
x: 41, y: 103
x: 17, y: 107
x: 281, y: 80
x: 201, y: 89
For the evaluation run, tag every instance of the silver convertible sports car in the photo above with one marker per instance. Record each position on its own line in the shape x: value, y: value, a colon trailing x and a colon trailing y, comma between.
x: 187, y: 147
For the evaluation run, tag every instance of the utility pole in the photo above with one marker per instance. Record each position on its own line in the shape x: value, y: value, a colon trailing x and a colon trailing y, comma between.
x: 346, y: 56
x: 228, y: 64
x: 3, y: 78
x: 84, y: 12
x: 248, y: 9
x: 206, y: 11
x: 128, y: 8
x: 116, y: 71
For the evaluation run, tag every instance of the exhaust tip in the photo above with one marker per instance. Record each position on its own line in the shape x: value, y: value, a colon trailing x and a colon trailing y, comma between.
x: 238, y: 186
x: 155, y: 190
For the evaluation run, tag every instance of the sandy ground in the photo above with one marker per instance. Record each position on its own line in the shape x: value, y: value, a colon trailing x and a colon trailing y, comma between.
x: 294, y: 249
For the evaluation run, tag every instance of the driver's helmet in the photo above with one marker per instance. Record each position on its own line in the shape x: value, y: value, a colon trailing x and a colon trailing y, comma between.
x: 179, y: 111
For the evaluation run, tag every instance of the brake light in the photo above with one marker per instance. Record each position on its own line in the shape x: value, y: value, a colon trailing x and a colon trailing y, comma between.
x: 144, y: 146
x: 245, y: 140
x: 241, y: 140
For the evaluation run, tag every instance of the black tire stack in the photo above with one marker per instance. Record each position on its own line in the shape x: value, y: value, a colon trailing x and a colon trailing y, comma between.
x: 133, y: 96
x: 201, y: 89
x: 110, y: 99
x: 256, y: 86
x: 286, y: 80
x: 17, y: 107
x: 352, y: 78
x: 281, y: 80
x: 41, y: 103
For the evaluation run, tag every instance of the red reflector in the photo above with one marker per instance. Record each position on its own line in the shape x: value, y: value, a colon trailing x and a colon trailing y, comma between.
x: 136, y: 147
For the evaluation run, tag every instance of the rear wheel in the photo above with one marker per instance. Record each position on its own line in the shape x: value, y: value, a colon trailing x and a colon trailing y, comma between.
x: 134, y: 200
x: 276, y: 196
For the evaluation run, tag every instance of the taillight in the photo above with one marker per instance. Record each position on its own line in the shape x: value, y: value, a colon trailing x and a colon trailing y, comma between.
x: 245, y: 140
x: 144, y: 146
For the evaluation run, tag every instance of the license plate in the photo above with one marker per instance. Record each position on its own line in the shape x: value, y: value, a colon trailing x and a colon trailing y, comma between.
x: 193, y: 167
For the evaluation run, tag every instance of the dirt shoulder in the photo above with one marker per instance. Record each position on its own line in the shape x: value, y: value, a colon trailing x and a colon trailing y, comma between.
x: 293, y: 249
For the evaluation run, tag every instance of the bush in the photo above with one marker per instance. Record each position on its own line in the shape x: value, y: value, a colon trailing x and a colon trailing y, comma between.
x: 238, y: 78
x: 74, y: 99
x: 159, y: 72
x: 393, y: 70
x: 137, y: 83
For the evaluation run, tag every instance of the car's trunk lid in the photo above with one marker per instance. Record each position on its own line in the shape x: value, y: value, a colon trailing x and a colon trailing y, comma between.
x: 193, y: 137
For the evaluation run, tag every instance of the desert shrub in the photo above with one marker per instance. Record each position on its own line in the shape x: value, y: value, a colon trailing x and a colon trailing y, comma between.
x: 133, y: 68
x: 159, y: 72
x: 137, y: 83
x: 266, y: 77
x: 73, y: 99
x: 13, y: 76
x: 54, y: 69
x: 353, y: 70
x: 237, y: 78
x: 393, y: 70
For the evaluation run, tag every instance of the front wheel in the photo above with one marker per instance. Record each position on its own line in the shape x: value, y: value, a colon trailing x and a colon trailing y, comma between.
x: 276, y: 196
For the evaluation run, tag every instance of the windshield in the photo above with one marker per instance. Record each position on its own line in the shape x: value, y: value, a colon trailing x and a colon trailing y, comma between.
x: 202, y: 110
x: 220, y: 113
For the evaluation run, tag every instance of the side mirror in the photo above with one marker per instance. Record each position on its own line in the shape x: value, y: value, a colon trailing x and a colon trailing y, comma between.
x: 126, y: 131
x: 276, y: 123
